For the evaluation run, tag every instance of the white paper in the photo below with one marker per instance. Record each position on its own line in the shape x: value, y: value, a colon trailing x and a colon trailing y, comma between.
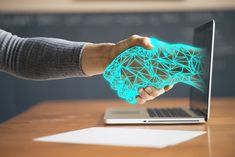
x: 132, y: 137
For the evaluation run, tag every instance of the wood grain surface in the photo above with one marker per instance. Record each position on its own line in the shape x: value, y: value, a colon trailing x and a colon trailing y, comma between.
x: 46, y: 118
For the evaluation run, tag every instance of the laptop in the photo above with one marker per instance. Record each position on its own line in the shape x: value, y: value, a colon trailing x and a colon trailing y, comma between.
x: 199, y: 104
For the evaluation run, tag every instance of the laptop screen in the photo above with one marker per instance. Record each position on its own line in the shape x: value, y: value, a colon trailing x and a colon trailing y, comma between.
x: 204, y: 38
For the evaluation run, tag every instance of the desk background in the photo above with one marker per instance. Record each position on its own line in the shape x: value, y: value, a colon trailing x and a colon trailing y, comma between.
x: 17, y: 95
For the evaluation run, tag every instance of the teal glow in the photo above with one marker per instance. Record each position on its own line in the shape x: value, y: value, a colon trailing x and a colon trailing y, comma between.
x: 165, y: 64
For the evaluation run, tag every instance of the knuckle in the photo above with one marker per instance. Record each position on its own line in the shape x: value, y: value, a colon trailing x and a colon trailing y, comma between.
x: 134, y: 37
x: 146, y: 39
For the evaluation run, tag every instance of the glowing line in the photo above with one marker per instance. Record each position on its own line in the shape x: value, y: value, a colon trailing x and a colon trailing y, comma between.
x: 165, y: 64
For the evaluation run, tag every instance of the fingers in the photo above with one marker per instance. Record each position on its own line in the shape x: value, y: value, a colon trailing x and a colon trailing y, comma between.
x: 145, y: 95
x: 140, y: 100
x: 150, y: 93
x: 155, y: 92
x: 134, y: 40
x: 140, y: 41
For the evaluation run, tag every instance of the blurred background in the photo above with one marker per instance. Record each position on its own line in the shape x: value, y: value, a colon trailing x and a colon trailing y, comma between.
x: 111, y: 21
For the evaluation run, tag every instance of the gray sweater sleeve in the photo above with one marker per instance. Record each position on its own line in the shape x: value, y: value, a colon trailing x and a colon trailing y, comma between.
x: 40, y: 58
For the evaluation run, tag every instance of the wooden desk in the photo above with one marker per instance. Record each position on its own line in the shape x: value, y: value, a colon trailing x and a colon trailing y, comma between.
x: 54, y: 117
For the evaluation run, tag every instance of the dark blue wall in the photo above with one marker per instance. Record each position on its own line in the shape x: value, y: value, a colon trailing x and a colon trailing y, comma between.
x: 17, y: 95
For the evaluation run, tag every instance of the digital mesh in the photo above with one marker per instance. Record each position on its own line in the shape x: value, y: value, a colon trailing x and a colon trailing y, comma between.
x: 165, y: 64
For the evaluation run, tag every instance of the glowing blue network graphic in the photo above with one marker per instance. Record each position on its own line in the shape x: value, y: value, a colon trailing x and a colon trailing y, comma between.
x: 165, y: 64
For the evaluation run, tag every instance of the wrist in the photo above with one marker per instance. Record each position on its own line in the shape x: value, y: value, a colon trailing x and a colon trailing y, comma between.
x: 95, y: 58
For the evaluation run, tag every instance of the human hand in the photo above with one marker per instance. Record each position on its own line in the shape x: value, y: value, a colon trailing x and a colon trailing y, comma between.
x: 96, y: 57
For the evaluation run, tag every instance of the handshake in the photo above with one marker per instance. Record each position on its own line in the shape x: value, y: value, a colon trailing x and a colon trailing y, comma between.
x: 164, y: 65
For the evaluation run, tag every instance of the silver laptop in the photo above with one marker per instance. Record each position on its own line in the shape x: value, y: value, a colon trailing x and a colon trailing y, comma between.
x: 199, y: 107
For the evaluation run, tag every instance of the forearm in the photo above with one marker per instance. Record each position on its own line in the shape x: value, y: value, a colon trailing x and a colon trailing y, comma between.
x: 40, y: 58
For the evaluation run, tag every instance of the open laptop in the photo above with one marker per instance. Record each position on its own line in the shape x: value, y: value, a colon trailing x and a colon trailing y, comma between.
x: 199, y: 107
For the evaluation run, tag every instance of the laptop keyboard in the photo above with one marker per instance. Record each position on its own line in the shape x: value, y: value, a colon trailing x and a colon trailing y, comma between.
x: 167, y: 112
